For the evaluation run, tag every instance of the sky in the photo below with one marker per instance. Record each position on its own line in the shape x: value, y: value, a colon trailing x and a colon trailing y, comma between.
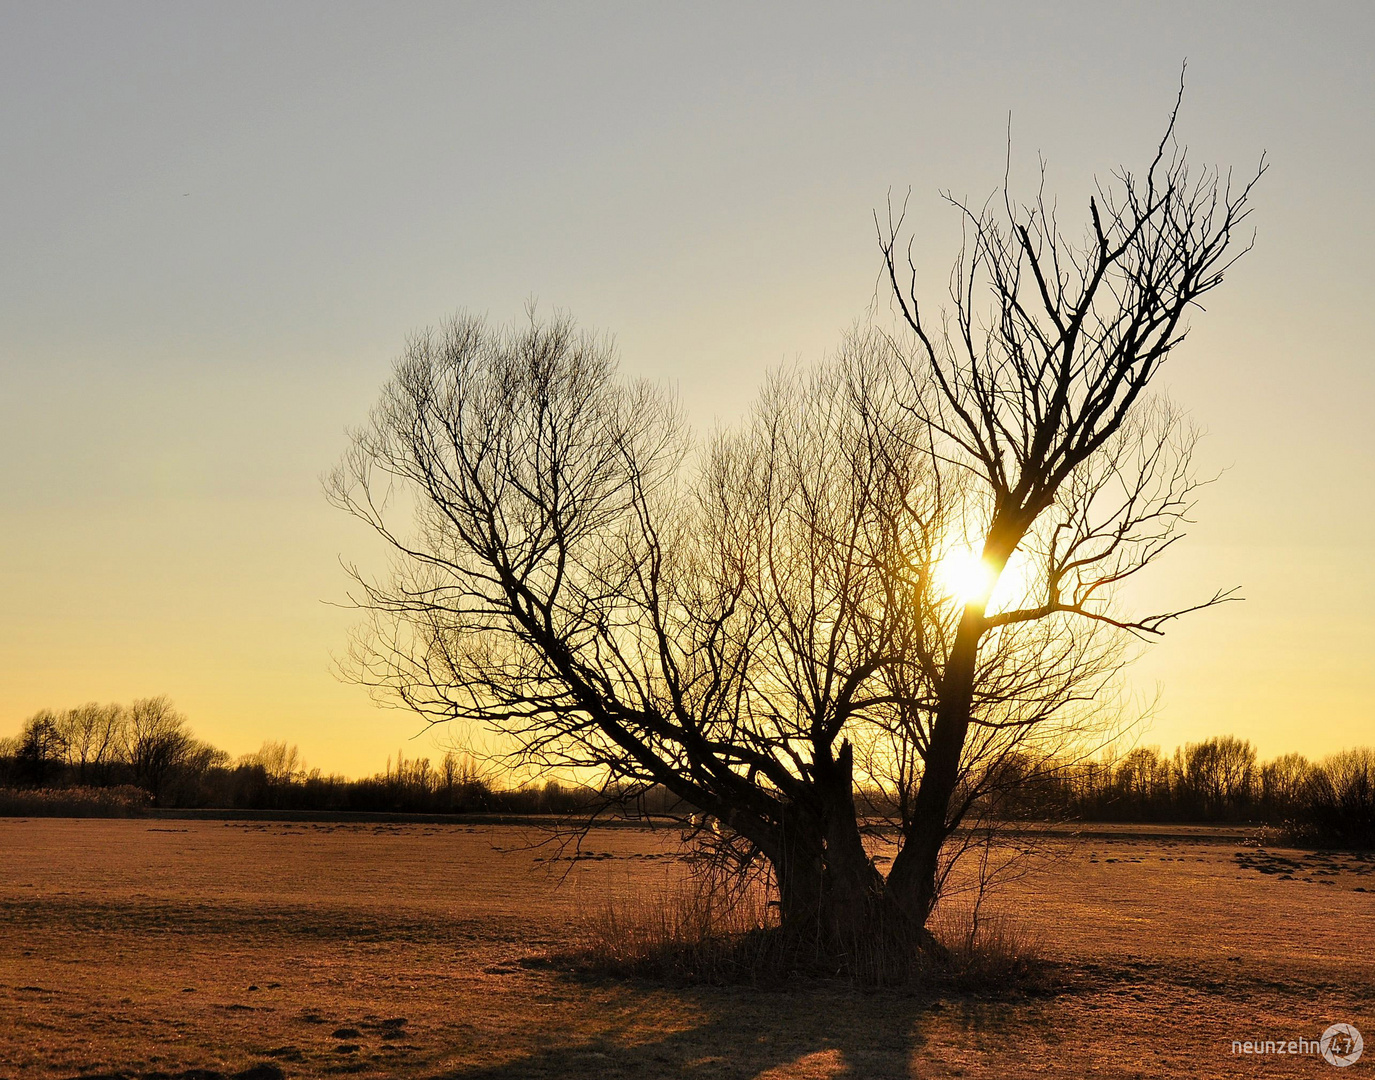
x: 219, y: 222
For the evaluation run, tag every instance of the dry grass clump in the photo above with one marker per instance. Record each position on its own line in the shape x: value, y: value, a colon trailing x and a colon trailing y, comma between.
x: 689, y: 931
x: 988, y: 952
x: 123, y: 801
x: 701, y: 932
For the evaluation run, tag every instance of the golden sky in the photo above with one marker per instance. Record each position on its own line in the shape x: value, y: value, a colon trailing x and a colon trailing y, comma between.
x: 221, y: 221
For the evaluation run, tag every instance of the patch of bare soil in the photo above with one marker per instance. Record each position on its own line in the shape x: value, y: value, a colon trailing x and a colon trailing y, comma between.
x: 208, y: 950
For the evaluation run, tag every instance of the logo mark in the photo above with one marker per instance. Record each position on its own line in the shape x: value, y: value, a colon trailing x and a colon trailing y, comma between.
x: 1341, y: 1045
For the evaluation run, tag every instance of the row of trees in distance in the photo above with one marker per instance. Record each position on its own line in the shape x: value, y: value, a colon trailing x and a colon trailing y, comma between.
x: 148, y: 753
x: 110, y: 758
x: 1219, y: 779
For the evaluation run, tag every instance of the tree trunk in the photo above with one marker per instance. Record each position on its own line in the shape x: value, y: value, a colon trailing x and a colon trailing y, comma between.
x: 799, y: 865
x: 831, y: 894
x: 912, y: 879
x: 854, y: 887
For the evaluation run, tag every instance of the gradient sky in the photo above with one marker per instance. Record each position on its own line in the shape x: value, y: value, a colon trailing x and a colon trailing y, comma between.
x: 221, y: 220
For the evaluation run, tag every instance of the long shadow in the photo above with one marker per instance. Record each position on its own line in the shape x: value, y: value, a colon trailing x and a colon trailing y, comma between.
x: 813, y: 1031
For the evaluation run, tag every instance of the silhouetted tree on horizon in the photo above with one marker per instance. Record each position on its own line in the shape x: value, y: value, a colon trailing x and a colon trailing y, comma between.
x: 96, y: 738
x: 761, y: 629
x: 161, y: 745
x: 41, y: 747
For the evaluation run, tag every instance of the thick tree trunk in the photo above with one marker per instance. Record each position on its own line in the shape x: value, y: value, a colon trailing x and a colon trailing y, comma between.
x: 854, y: 887
x: 831, y: 894
x: 799, y: 864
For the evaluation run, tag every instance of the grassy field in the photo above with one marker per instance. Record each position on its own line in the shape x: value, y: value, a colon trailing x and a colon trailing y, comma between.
x: 137, y: 947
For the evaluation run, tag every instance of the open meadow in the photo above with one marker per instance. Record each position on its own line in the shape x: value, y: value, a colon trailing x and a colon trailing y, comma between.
x: 138, y: 947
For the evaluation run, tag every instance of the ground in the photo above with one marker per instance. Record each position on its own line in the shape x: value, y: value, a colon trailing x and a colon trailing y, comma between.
x: 140, y: 947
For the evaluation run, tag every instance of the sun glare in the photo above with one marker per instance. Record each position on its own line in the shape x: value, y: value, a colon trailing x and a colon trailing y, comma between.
x: 963, y: 573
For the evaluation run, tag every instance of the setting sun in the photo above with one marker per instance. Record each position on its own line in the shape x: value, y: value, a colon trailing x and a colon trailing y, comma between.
x: 962, y: 573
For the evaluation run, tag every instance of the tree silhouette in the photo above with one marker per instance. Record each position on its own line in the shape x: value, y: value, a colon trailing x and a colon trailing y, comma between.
x: 161, y: 744
x: 1034, y: 389
x: 762, y: 628
x: 95, y: 737
x: 41, y: 747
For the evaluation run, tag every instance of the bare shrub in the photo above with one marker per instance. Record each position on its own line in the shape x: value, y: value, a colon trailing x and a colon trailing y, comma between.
x: 690, y: 930
x: 984, y: 951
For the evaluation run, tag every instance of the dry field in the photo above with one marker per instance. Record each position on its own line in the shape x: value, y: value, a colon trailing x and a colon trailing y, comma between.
x: 203, y: 948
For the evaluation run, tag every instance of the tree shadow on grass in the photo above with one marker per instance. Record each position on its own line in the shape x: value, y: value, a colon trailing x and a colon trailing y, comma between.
x: 814, y: 1030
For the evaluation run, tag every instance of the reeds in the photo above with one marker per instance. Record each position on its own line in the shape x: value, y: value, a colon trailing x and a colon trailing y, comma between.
x: 123, y: 801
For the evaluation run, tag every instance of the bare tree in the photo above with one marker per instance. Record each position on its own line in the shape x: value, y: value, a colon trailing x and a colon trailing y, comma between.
x: 41, y: 747
x: 159, y: 744
x: 565, y: 583
x: 281, y: 763
x: 96, y: 737
x: 1143, y: 775
x: 1283, y: 779
x: 1034, y: 386
x: 1217, y: 776
x: 764, y: 629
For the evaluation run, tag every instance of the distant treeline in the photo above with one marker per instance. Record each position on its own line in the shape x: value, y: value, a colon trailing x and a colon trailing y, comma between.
x: 109, y: 759
x: 1221, y: 779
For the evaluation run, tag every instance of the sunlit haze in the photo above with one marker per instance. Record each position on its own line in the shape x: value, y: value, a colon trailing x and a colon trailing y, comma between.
x: 222, y: 221
x: 963, y: 573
